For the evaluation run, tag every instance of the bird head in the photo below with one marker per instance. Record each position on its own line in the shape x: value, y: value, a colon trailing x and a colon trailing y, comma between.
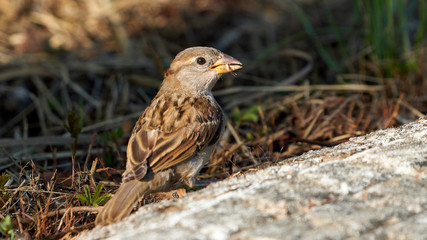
x: 198, y: 68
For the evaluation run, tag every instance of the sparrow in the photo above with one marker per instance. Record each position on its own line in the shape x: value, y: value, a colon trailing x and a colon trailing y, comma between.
x: 175, y: 135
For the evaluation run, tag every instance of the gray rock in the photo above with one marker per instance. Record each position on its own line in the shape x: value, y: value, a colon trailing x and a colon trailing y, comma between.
x: 372, y: 187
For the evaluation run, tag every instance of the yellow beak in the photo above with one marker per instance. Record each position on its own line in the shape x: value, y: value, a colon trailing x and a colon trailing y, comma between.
x: 226, y: 64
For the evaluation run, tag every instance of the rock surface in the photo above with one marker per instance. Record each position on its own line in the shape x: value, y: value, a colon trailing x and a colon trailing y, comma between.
x: 372, y: 187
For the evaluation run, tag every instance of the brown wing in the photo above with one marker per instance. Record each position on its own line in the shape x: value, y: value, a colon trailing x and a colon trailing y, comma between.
x: 169, y: 133
x: 181, y: 145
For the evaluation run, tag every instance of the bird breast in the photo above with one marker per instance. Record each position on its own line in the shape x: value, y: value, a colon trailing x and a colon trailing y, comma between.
x: 170, y: 112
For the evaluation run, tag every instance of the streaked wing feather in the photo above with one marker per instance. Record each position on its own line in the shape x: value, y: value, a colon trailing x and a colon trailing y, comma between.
x: 180, y: 149
x: 161, y: 143
x: 183, y: 145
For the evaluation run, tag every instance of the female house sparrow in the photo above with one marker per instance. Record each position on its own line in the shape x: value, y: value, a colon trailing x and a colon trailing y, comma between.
x: 176, y: 134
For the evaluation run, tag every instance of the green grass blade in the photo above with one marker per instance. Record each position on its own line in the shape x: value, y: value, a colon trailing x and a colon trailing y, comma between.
x: 308, y: 27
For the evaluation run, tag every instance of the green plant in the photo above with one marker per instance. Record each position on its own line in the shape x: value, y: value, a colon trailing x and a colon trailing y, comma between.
x: 109, y: 139
x: 393, y: 28
x: 4, y: 196
x: 96, y: 199
x: 112, y: 135
x: 6, y: 228
x: 327, y: 57
x: 74, y: 127
x: 4, y: 178
x: 250, y: 115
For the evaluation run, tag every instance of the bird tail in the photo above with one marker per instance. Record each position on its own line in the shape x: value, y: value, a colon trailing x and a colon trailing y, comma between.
x: 121, y: 205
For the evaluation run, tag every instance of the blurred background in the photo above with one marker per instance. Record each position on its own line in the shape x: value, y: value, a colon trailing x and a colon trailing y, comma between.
x: 75, y: 75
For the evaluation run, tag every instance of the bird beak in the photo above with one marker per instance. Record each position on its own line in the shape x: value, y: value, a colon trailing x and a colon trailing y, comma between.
x: 226, y: 64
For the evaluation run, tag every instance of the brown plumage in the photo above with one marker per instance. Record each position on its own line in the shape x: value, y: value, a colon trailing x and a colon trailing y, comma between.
x: 175, y: 135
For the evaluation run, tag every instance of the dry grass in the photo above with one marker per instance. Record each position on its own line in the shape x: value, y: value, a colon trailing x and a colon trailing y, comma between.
x: 105, y: 59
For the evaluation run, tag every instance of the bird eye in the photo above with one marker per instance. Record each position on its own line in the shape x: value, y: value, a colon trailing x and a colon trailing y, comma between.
x: 201, y: 60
